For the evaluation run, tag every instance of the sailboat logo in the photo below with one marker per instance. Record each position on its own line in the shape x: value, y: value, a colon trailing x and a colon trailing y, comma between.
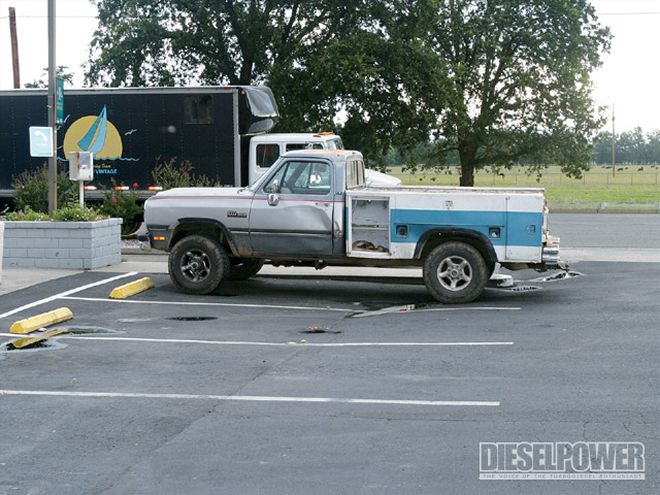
x: 96, y: 134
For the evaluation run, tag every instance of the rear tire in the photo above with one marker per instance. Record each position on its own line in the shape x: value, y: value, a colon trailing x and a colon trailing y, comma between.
x: 455, y: 273
x: 244, y: 268
x: 198, y: 264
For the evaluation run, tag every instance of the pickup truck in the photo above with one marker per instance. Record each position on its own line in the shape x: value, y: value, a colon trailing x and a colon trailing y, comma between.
x: 312, y: 208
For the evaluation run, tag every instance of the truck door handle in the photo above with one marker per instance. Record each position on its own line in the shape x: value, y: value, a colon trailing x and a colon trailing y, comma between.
x: 322, y: 203
x: 273, y: 199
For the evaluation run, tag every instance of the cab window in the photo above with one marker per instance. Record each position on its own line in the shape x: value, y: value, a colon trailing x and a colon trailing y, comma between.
x: 267, y: 154
x: 299, y: 177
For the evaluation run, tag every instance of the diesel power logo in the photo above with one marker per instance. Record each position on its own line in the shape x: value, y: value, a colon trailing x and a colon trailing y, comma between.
x: 561, y: 461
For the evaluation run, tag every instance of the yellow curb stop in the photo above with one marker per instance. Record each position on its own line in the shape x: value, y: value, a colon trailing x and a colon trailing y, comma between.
x: 26, y: 341
x: 43, y: 320
x: 132, y: 288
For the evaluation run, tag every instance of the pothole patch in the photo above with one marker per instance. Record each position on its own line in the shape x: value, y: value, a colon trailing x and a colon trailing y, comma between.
x: 86, y: 330
x: 314, y: 329
x: 192, y: 318
x: 42, y: 345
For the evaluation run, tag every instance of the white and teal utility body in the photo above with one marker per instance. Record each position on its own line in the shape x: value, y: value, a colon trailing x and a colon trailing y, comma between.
x: 312, y: 208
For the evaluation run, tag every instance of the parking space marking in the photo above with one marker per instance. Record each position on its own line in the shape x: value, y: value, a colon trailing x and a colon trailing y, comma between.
x: 252, y: 398
x: 280, y: 306
x: 64, y: 294
x: 290, y: 344
x: 194, y: 303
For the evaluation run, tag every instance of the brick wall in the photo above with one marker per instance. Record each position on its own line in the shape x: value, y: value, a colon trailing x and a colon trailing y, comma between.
x: 75, y: 245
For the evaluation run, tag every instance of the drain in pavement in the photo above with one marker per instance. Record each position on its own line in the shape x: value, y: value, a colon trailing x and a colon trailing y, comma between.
x: 192, y: 318
x: 319, y: 329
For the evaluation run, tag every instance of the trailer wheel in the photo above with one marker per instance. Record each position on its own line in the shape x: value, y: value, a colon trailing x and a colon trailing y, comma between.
x: 244, y: 268
x: 198, y: 264
x: 455, y: 272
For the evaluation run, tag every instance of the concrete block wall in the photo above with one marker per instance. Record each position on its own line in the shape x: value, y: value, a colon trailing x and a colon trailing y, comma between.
x: 74, y: 245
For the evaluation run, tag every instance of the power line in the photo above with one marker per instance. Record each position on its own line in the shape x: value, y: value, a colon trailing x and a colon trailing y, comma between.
x: 629, y: 13
x: 45, y: 17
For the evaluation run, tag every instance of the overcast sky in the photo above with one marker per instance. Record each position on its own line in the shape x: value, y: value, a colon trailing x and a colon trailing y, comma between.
x: 628, y: 78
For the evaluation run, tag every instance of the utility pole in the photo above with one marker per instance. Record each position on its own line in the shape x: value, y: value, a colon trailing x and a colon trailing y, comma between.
x: 52, y: 110
x: 14, y: 47
x: 613, y: 143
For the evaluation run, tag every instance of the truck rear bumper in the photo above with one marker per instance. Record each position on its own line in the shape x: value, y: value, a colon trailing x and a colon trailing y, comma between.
x: 550, y: 253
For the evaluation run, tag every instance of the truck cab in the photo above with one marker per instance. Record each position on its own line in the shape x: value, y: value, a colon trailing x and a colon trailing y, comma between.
x: 266, y: 149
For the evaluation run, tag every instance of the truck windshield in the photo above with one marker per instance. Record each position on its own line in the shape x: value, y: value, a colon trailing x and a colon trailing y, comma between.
x: 335, y: 144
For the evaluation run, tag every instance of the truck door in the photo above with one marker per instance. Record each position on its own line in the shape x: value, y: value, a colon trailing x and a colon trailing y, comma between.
x: 292, y: 212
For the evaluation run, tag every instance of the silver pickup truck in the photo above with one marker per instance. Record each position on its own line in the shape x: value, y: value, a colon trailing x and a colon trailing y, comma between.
x: 312, y: 209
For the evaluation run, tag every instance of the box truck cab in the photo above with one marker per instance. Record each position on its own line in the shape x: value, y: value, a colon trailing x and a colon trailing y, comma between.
x: 265, y: 149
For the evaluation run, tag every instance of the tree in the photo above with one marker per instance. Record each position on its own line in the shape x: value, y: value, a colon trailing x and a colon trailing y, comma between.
x: 62, y: 72
x: 517, y: 80
x: 320, y: 57
x: 489, y: 81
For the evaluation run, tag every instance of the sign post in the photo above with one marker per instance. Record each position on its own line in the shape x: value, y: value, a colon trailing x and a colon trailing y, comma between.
x: 52, y: 110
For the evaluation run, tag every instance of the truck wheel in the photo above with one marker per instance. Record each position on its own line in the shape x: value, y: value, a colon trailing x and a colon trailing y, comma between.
x: 455, y: 272
x: 242, y: 269
x: 197, y: 264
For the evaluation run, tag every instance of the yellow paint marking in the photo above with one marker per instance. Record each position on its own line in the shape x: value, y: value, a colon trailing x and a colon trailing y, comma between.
x: 43, y: 320
x: 132, y: 288
x: 27, y: 341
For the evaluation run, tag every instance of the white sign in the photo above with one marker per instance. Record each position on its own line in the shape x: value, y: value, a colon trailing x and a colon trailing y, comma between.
x: 81, y: 165
x: 41, y: 142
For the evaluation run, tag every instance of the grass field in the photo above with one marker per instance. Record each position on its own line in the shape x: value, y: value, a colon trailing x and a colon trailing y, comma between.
x: 631, y: 184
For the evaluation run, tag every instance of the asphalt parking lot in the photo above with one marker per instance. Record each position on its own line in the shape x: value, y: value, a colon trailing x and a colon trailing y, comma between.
x: 292, y: 385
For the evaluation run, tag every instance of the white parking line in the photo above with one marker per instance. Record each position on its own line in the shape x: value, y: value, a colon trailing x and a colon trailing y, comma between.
x: 194, y: 303
x: 358, y: 314
x: 253, y: 398
x: 289, y: 344
x: 62, y: 295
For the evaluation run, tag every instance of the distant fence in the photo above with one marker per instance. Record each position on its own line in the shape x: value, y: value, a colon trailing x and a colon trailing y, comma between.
x: 548, y: 179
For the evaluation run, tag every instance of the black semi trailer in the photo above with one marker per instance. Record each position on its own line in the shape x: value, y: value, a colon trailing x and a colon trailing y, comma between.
x: 131, y: 130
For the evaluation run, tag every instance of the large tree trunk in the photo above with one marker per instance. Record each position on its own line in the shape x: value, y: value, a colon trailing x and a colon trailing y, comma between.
x: 467, y: 155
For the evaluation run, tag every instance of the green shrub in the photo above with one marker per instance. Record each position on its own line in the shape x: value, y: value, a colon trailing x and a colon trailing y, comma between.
x: 124, y: 205
x: 28, y: 215
x: 70, y: 213
x: 32, y: 189
x: 76, y: 213
x: 170, y: 175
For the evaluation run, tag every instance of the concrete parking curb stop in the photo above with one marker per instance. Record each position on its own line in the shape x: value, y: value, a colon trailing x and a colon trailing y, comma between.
x: 28, y: 341
x: 32, y: 323
x: 132, y: 288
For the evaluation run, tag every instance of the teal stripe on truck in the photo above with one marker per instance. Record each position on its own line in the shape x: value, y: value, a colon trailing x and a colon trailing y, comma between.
x: 518, y: 228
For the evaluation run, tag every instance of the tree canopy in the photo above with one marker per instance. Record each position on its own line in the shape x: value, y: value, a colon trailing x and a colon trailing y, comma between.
x: 489, y: 81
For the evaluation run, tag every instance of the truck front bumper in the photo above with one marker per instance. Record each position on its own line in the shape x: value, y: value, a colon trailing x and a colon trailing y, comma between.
x: 157, y: 236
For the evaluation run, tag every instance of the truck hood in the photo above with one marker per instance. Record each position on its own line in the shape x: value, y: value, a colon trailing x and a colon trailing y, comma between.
x: 201, y: 191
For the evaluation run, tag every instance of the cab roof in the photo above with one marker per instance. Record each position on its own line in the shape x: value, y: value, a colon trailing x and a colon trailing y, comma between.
x: 332, y: 154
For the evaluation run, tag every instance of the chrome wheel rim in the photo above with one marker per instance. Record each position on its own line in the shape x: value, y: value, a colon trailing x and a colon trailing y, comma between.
x: 454, y: 273
x: 195, y: 265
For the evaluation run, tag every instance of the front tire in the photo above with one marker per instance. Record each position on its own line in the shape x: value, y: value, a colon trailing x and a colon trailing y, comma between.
x: 455, y: 273
x: 198, y: 264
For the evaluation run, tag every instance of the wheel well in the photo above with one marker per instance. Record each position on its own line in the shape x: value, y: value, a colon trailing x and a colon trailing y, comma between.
x: 210, y: 229
x: 437, y: 238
